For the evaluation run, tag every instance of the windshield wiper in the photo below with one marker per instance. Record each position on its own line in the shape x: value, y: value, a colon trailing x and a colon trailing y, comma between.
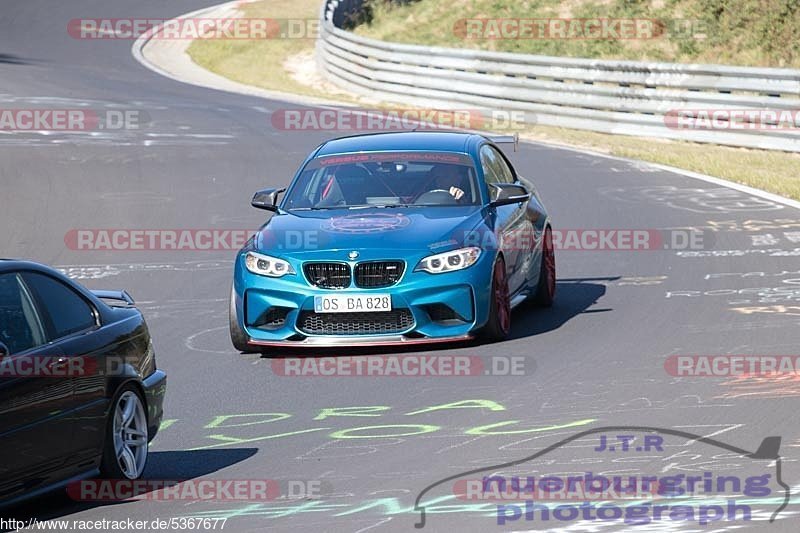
x: 381, y: 206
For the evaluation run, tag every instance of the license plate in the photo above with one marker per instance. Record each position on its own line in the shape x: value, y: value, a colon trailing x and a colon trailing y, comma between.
x: 352, y: 303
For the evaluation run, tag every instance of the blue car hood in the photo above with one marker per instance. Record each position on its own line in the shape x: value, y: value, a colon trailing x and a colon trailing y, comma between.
x: 313, y: 234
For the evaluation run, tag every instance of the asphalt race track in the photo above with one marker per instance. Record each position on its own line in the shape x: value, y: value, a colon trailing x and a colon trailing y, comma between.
x: 595, y: 359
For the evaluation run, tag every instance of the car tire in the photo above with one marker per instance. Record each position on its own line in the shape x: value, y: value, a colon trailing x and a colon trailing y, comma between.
x: 127, y: 423
x: 238, y: 336
x: 498, y: 325
x: 546, y: 287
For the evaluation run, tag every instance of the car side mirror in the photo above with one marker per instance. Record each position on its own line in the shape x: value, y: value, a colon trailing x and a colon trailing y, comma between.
x: 266, y: 199
x: 509, y: 193
x: 3, y: 350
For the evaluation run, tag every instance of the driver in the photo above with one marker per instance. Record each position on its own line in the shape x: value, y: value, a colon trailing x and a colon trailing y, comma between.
x: 448, y: 178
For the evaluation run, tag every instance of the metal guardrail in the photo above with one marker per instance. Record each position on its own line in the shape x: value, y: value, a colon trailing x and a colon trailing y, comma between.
x: 620, y: 97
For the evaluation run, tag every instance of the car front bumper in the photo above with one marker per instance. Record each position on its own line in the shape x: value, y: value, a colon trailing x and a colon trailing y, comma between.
x: 464, y: 293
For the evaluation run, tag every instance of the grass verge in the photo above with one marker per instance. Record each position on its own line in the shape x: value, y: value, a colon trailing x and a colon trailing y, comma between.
x: 262, y: 63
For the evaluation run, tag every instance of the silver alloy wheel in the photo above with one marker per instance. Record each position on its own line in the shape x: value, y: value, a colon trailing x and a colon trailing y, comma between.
x: 130, y: 435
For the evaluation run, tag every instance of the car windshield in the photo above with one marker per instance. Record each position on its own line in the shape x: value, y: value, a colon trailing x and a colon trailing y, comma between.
x: 386, y: 180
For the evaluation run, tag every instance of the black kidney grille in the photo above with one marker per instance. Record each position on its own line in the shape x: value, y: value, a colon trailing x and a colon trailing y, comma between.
x: 384, y: 322
x: 373, y: 274
x: 328, y: 275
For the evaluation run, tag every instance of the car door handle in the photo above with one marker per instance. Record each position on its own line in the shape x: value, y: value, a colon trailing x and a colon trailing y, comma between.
x: 59, y: 364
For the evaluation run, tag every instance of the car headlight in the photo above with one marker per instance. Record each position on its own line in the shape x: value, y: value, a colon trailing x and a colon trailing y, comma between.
x: 449, y: 261
x: 265, y: 265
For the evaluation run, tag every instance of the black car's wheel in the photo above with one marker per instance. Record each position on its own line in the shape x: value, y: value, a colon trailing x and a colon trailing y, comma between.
x: 546, y: 288
x: 238, y: 336
x: 126, y: 441
x: 499, y: 323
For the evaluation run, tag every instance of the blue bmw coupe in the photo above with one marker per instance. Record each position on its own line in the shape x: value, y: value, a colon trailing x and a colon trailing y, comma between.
x: 393, y: 238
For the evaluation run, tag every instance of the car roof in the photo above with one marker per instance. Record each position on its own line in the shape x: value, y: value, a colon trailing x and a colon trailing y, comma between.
x: 435, y: 141
x: 19, y: 264
x: 13, y: 265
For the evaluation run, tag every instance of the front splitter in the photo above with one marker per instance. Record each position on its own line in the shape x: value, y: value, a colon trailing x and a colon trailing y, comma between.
x: 384, y: 340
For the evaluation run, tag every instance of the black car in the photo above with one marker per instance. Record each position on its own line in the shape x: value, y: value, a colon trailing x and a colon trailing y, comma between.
x: 80, y: 394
